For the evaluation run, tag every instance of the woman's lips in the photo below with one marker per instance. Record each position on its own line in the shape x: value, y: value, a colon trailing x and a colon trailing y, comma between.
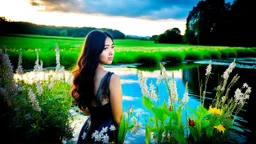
x: 110, y: 59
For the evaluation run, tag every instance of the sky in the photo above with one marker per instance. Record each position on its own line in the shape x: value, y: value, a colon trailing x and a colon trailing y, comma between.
x: 132, y: 17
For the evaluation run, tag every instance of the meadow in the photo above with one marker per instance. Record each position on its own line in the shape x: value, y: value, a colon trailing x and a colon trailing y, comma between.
x: 126, y: 51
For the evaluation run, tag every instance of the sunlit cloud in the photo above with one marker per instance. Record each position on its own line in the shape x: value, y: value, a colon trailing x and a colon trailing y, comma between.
x: 153, y: 9
x: 72, y: 13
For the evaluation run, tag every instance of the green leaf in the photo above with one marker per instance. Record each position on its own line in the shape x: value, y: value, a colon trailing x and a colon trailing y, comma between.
x: 148, y: 134
x: 130, y: 127
x: 205, y: 123
x: 209, y: 131
x: 194, y: 133
x: 172, y: 127
x: 195, y: 112
x: 121, y: 131
x: 180, y: 138
x: 159, y: 113
x: 147, y: 103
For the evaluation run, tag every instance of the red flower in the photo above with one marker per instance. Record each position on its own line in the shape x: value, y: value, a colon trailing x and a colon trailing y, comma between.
x: 191, y: 122
x: 170, y: 108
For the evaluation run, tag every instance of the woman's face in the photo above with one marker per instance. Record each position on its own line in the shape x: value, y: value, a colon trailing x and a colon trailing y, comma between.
x: 107, y: 55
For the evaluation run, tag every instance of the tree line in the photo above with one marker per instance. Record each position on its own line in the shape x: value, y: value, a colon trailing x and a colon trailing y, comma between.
x: 214, y: 22
x: 9, y: 27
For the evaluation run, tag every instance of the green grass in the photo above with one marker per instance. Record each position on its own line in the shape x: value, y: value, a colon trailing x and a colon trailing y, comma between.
x: 126, y: 51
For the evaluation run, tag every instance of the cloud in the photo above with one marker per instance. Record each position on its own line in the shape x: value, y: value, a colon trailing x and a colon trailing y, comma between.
x: 148, y: 9
x: 130, y: 98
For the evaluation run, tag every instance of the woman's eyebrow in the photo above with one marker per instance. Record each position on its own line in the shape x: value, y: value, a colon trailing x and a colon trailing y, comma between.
x: 109, y: 45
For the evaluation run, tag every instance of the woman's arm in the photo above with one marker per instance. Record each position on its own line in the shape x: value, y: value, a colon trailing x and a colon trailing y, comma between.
x: 116, y: 98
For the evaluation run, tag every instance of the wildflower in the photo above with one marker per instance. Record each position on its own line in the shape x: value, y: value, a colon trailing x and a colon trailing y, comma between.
x: 153, y: 95
x: 174, y: 94
x: 215, y: 111
x: 135, y: 129
x: 33, y: 100
x: 134, y: 119
x: 209, y: 69
x: 39, y: 89
x: 19, y: 68
x: 125, y: 114
x: 143, y: 84
x: 191, y: 122
x: 220, y: 128
x: 185, y: 97
x: 58, y: 67
x: 131, y: 109
x: 245, y: 85
x: 229, y: 70
x: 238, y: 94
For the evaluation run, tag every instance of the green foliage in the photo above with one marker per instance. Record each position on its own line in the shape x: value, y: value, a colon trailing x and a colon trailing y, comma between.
x: 128, y: 123
x: 126, y: 51
x: 38, y: 109
x: 170, y: 123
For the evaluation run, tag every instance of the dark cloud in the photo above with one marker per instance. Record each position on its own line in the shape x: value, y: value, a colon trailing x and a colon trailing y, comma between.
x: 150, y: 9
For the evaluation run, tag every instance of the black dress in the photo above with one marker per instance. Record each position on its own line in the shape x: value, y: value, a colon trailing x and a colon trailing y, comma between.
x: 100, y: 126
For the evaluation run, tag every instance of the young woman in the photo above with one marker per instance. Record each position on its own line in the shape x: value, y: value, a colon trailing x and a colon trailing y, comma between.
x: 97, y: 92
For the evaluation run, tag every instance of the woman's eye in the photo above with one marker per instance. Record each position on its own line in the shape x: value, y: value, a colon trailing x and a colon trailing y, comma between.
x: 112, y: 47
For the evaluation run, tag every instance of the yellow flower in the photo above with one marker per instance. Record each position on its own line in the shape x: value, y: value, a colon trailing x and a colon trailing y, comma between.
x: 220, y: 128
x: 215, y: 111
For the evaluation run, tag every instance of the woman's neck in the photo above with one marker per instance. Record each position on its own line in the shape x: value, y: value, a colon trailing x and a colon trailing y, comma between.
x: 101, y: 66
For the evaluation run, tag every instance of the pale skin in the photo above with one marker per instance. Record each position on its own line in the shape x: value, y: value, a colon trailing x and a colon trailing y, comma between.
x: 106, y: 57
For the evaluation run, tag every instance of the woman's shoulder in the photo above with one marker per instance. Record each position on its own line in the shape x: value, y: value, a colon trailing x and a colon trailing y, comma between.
x: 114, y: 78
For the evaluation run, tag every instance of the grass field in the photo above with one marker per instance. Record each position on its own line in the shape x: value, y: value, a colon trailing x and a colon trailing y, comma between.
x: 126, y: 51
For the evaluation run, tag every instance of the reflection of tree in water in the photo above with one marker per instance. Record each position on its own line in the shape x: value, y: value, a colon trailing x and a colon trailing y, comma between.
x: 246, y: 76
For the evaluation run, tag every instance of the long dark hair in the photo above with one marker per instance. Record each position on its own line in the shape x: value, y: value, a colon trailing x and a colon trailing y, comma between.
x: 82, y: 89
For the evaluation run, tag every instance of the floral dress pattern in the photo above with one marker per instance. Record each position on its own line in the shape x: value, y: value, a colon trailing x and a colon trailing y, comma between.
x: 100, y: 126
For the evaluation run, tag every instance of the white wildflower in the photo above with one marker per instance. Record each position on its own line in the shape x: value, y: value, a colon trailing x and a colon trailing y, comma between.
x: 125, y: 114
x: 153, y: 95
x: 131, y: 109
x: 238, y: 94
x: 174, y: 94
x: 223, y: 99
x: 143, y: 84
x: 39, y: 88
x: 19, y: 68
x: 209, y: 68
x: 229, y: 70
x: 134, y: 119
x: 245, y: 85
x: 33, y: 100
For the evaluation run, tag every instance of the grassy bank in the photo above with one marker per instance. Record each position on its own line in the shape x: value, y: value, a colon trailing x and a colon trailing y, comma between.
x: 126, y: 51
